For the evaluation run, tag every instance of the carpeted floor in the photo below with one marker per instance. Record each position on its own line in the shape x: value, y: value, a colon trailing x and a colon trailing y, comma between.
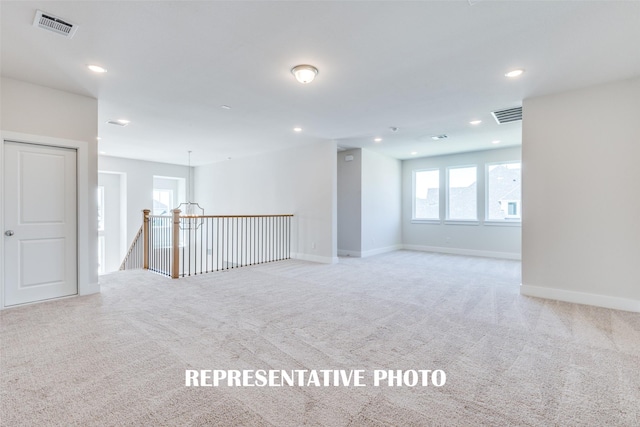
x: 119, y: 357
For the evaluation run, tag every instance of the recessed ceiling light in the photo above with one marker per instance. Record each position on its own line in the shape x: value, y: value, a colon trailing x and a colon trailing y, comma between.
x: 225, y: 107
x: 103, y: 152
x: 377, y: 139
x: 297, y: 129
x: 123, y: 121
x: 393, y: 129
x: 475, y: 122
x: 439, y: 137
x: 413, y: 153
x: 495, y: 141
x: 96, y: 68
x: 98, y: 138
x: 514, y: 73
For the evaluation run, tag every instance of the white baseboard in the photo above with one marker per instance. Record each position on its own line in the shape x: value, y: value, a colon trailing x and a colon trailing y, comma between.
x: 379, y: 251
x: 344, y: 252
x: 581, y: 298
x: 371, y: 252
x: 468, y: 252
x: 315, y: 258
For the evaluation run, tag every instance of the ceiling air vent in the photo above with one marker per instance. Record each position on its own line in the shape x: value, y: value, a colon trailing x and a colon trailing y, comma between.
x: 52, y: 23
x: 508, y: 115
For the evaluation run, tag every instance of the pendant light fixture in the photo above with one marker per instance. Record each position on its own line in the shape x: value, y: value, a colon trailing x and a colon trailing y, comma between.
x: 191, y: 210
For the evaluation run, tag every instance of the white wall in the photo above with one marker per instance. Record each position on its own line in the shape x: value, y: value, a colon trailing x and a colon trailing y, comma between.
x: 114, y: 219
x: 480, y: 239
x: 299, y: 181
x: 381, y: 203
x: 37, y: 114
x: 138, y: 176
x: 581, y: 177
x: 349, y: 202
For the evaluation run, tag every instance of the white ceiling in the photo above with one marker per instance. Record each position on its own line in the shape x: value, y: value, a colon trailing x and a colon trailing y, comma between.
x: 426, y: 67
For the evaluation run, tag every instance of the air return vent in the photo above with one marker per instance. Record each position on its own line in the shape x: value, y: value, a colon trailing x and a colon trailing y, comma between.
x: 508, y: 115
x: 52, y: 23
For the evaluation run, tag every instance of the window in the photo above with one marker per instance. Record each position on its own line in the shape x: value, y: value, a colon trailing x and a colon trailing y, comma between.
x: 503, y: 191
x: 426, y: 203
x: 162, y: 201
x: 462, y: 193
x: 101, y: 243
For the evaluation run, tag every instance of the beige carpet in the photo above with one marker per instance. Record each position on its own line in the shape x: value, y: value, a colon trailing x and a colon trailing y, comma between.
x: 119, y: 358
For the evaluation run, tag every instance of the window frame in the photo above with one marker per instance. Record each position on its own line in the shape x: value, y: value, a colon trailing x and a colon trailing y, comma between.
x: 415, y: 219
x: 508, y: 221
x: 461, y: 221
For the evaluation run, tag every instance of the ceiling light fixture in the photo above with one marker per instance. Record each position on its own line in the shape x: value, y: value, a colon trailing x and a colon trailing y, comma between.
x: 393, y: 129
x: 96, y: 68
x: 119, y: 122
x: 377, y: 139
x: 515, y: 73
x: 439, y: 137
x: 475, y: 122
x: 225, y: 107
x: 413, y: 153
x: 297, y: 129
x: 496, y: 141
x: 304, y: 73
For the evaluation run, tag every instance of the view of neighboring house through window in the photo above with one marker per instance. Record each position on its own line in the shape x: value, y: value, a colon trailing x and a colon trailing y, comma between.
x: 462, y: 193
x: 168, y: 193
x: 503, y: 191
x: 162, y: 201
x: 427, y: 194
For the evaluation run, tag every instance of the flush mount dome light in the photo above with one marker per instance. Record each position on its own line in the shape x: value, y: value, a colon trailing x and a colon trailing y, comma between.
x: 304, y: 73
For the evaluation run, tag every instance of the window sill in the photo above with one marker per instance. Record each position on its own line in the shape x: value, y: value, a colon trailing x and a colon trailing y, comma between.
x: 425, y: 221
x: 462, y: 222
x: 505, y: 223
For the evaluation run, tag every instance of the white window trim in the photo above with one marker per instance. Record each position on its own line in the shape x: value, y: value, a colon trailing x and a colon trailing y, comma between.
x: 425, y: 221
x: 503, y: 223
x: 414, y: 219
x: 460, y: 221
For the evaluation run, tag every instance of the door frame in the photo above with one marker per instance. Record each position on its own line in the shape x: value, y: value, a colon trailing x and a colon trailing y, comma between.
x: 87, y: 218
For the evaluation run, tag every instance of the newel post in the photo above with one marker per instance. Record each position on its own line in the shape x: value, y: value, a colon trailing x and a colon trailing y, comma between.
x: 145, y: 238
x: 175, y: 245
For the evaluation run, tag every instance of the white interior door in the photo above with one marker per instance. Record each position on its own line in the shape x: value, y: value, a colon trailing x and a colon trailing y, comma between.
x: 40, y: 243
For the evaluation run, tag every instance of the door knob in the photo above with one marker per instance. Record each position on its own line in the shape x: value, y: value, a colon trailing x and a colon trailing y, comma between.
x: 8, y: 233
